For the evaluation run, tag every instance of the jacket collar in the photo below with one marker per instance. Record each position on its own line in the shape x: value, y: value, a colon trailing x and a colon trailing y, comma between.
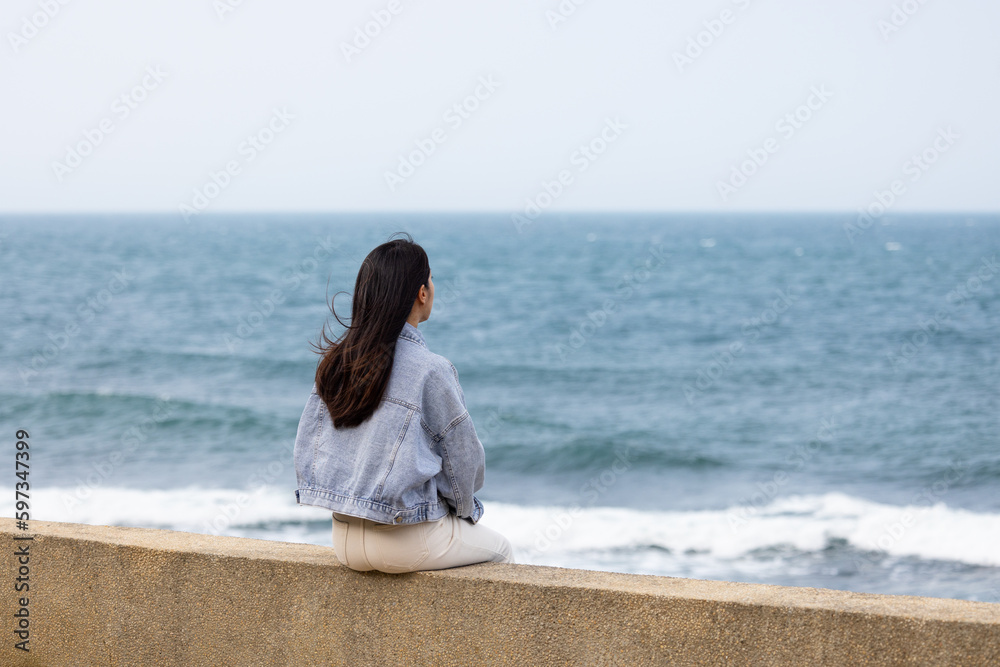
x: 410, y: 332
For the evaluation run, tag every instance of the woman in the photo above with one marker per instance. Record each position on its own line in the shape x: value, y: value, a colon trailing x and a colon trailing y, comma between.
x: 385, y: 440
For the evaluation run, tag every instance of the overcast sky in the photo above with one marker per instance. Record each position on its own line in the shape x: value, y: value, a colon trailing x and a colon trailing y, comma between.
x: 122, y: 105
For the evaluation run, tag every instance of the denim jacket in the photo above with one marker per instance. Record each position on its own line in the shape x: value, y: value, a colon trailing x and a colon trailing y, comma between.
x: 415, y: 459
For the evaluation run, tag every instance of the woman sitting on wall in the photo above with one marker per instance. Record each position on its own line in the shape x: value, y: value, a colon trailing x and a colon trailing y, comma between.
x: 385, y: 440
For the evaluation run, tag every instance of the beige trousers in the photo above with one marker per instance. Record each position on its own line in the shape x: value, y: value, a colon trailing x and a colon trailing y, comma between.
x: 365, y: 545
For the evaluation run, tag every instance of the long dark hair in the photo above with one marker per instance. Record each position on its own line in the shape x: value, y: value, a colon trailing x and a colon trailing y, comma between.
x: 354, y: 371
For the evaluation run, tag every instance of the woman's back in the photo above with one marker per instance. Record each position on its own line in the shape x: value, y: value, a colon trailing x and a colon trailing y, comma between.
x: 419, y: 447
x: 400, y: 468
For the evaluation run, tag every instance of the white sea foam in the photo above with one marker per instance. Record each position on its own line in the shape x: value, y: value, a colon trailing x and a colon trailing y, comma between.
x: 600, y: 537
x: 797, y: 523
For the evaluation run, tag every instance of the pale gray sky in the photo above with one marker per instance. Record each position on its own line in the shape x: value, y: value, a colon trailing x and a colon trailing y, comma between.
x: 884, y: 85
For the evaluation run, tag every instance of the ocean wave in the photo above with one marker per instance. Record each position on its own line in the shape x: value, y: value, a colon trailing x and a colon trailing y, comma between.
x: 110, y: 405
x: 595, y: 453
x: 788, y: 526
x: 799, y: 525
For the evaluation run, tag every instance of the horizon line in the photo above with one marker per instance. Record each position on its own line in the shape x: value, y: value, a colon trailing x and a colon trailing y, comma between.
x: 496, y: 213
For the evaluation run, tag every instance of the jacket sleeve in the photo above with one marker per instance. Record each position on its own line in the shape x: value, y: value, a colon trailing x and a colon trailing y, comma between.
x: 463, y: 459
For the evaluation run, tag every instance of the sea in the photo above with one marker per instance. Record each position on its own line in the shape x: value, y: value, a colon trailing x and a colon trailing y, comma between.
x: 792, y: 399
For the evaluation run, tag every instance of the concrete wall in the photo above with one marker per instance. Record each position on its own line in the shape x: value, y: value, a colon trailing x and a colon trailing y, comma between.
x: 130, y: 596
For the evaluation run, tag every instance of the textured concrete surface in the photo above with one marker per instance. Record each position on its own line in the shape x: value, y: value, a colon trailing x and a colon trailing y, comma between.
x: 132, y: 596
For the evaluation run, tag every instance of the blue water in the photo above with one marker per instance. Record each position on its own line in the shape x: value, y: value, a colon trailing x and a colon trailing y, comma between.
x: 751, y: 398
